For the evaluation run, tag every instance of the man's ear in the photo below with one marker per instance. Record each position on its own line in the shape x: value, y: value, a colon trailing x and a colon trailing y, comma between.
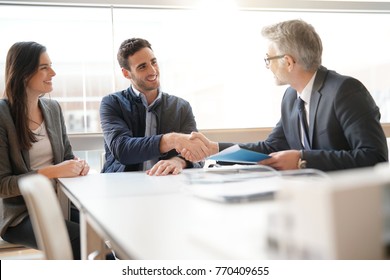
x: 126, y: 73
x: 290, y: 62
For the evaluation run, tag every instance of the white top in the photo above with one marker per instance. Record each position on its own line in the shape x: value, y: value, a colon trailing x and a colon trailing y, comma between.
x: 41, y: 153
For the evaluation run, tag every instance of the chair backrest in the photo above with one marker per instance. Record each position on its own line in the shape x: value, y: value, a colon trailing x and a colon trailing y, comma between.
x: 5, y: 245
x: 388, y: 147
x: 46, y: 217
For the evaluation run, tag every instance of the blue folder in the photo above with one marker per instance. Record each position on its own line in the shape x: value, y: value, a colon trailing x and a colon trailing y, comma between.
x: 239, y: 155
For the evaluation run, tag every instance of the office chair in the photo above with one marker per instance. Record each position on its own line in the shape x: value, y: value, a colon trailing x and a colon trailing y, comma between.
x: 388, y: 147
x: 4, y: 245
x: 11, y: 251
x: 46, y: 217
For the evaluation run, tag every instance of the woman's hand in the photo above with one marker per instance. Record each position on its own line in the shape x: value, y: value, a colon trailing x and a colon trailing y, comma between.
x: 68, y: 168
x: 85, y: 169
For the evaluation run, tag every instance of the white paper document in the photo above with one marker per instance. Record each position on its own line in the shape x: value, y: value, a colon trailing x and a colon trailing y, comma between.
x: 237, y: 183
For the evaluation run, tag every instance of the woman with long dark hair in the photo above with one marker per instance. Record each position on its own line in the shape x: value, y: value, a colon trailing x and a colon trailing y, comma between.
x: 33, y: 139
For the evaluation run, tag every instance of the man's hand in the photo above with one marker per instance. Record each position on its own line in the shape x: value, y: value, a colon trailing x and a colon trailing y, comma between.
x: 164, y: 167
x: 180, y: 142
x: 284, y: 160
x: 212, y: 147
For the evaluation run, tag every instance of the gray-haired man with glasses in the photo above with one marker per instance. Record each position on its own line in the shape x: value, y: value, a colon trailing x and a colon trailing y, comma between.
x: 328, y: 121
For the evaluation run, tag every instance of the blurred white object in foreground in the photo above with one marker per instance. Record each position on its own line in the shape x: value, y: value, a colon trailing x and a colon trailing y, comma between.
x: 343, y: 216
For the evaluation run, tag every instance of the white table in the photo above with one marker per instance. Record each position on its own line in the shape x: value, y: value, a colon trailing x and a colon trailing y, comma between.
x: 148, y: 217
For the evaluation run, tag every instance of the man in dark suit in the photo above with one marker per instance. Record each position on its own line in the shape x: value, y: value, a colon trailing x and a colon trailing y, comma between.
x: 342, y: 120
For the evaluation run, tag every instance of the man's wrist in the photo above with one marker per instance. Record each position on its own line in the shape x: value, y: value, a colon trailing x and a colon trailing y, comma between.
x: 214, y: 148
x: 183, y: 161
x: 302, y: 163
x: 168, y: 142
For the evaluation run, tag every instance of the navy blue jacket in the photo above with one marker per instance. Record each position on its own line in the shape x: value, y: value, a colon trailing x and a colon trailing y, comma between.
x: 122, y: 117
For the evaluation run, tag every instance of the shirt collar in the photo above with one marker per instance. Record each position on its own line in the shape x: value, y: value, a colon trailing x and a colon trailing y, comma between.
x: 143, y: 98
x: 136, y: 91
x: 305, y: 95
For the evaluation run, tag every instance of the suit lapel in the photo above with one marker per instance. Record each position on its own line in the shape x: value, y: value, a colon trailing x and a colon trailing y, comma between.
x: 315, y: 99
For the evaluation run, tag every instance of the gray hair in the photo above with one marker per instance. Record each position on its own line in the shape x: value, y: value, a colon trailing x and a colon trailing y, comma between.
x: 298, y: 39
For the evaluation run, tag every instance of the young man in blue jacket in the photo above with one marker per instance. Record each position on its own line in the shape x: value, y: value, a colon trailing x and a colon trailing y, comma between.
x: 144, y: 127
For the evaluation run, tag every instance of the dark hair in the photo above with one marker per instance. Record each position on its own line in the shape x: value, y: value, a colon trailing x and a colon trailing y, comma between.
x: 21, y: 64
x: 130, y: 47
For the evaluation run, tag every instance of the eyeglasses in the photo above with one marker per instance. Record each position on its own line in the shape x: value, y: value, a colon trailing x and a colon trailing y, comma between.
x: 267, y: 60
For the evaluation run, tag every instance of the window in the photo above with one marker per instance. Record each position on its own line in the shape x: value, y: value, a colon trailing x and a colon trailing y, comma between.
x: 212, y: 58
x: 79, y: 43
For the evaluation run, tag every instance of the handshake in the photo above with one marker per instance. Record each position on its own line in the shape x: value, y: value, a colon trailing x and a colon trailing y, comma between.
x: 193, y: 147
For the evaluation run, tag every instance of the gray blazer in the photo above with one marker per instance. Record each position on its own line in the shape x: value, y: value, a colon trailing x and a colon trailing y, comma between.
x: 345, y: 130
x: 15, y: 163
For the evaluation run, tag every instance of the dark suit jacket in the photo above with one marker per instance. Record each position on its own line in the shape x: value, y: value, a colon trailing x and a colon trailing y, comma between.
x: 345, y: 130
